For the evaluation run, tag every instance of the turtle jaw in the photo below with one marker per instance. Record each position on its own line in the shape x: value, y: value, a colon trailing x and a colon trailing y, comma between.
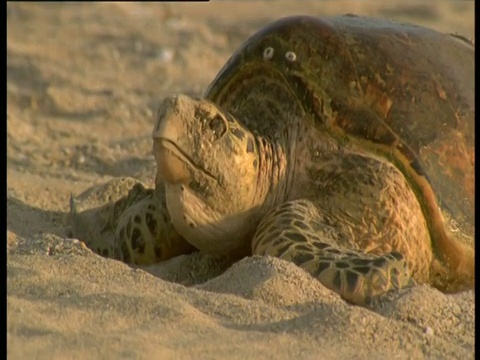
x: 174, y: 165
x: 171, y: 141
x: 171, y: 163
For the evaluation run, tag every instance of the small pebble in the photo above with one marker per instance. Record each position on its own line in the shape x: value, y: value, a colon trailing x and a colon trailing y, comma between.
x: 165, y: 55
x: 138, y: 46
x: 428, y: 331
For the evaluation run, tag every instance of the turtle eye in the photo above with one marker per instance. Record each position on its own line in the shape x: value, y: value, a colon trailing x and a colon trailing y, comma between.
x: 217, y: 126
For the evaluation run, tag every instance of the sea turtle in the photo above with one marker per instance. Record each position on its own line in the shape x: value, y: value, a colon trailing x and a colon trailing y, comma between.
x: 344, y: 145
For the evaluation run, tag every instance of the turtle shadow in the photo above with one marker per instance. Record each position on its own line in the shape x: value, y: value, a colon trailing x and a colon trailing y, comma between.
x: 192, y: 269
x: 310, y: 314
x: 25, y: 220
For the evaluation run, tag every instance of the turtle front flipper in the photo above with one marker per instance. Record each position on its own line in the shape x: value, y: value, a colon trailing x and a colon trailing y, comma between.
x: 294, y: 231
x: 126, y: 221
x: 94, y: 213
x: 359, y: 278
x: 145, y: 234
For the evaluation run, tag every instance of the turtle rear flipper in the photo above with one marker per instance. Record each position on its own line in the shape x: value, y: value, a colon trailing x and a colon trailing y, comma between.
x: 294, y: 232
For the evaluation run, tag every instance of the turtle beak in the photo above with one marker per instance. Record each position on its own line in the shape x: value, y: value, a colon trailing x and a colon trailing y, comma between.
x: 171, y: 122
x: 170, y: 139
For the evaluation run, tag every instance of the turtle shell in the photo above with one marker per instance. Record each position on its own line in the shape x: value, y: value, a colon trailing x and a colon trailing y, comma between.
x: 401, y: 91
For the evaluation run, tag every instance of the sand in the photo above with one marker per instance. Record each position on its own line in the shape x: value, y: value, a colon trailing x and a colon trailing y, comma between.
x: 83, y: 84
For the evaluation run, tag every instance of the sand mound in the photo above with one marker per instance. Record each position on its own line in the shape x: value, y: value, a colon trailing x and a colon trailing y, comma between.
x: 65, y: 305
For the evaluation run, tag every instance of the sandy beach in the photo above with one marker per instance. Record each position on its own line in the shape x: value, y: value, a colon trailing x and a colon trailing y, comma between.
x: 84, y: 81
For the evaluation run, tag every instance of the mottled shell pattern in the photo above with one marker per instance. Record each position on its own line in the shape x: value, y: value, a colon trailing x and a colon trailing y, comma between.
x: 403, y: 92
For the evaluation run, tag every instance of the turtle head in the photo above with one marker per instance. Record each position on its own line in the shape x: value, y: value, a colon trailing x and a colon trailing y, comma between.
x: 209, y: 164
